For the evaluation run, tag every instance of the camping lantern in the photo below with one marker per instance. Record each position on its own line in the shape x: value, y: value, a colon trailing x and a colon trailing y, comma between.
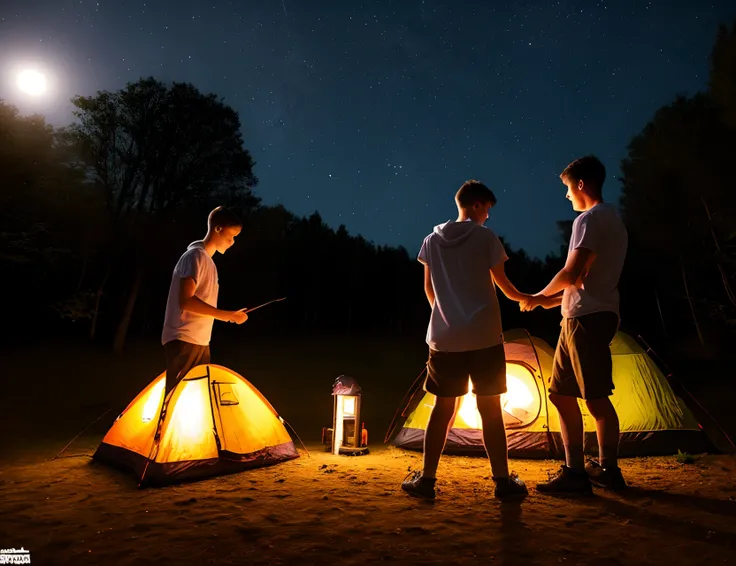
x: 349, y: 436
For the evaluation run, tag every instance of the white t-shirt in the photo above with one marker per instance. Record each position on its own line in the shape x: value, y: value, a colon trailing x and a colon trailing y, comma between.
x: 465, y: 315
x: 186, y: 325
x: 602, y: 231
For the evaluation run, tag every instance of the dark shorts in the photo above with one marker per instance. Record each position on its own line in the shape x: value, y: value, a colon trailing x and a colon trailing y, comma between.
x: 582, y: 366
x: 180, y: 358
x: 448, y: 372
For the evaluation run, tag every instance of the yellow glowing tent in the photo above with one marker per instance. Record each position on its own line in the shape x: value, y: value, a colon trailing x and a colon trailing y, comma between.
x: 653, y: 419
x: 216, y: 422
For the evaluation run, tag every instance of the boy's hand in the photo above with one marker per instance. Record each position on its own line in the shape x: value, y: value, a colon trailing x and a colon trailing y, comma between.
x: 238, y: 317
x: 531, y: 302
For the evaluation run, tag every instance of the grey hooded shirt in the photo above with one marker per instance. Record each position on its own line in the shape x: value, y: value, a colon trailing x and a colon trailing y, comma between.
x: 466, y: 315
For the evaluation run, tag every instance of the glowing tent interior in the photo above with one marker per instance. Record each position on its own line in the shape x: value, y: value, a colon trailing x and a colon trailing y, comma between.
x: 653, y: 419
x: 216, y: 422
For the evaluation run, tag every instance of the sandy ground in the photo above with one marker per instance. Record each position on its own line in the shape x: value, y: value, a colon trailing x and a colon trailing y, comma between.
x: 326, y: 509
x: 320, y: 508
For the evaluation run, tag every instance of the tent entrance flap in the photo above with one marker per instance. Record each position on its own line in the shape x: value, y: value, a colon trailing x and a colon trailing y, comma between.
x: 521, y: 404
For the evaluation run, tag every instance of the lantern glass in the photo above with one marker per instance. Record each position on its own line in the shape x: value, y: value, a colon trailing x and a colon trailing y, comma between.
x: 346, y: 429
x: 348, y: 406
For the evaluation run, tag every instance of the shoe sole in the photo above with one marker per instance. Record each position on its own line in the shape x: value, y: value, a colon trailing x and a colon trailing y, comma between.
x: 608, y: 487
x: 418, y: 495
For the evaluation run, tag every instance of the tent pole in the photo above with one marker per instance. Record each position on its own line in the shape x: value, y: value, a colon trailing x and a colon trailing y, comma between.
x: 404, y: 404
x: 210, y: 390
x: 670, y: 376
x: 544, y: 398
x: 157, y: 434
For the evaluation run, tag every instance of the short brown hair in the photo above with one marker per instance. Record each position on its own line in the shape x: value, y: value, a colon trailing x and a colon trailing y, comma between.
x: 588, y: 169
x: 473, y: 192
x: 222, y: 217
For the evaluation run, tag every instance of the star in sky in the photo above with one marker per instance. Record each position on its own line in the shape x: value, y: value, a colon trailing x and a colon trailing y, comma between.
x: 399, y: 101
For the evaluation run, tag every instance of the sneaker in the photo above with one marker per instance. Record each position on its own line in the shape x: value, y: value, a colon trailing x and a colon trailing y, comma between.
x: 608, y: 478
x: 567, y: 480
x: 512, y: 487
x: 418, y: 486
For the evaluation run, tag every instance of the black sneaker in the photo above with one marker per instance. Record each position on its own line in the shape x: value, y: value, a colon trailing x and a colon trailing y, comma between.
x: 512, y: 487
x: 418, y: 486
x: 569, y: 481
x: 608, y: 478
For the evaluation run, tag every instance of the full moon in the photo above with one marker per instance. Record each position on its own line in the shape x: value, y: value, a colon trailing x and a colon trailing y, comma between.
x: 32, y: 82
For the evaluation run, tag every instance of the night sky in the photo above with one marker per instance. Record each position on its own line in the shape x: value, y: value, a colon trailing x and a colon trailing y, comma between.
x: 374, y: 113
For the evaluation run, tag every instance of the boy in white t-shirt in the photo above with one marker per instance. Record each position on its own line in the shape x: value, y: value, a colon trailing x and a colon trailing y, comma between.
x: 191, y: 308
x: 462, y: 259
x: 587, y: 290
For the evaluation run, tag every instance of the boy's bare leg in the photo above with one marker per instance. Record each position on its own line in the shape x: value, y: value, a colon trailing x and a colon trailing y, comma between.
x: 494, y: 434
x: 571, y: 426
x: 434, y: 439
x: 572, y: 477
x: 607, y: 430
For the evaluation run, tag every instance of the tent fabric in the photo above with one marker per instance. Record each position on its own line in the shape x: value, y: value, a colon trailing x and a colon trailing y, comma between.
x: 653, y: 419
x: 216, y: 422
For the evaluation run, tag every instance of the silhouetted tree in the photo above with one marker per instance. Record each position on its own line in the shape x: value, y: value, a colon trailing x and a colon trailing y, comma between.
x: 723, y: 73
x: 84, y: 202
x: 679, y: 204
x: 153, y: 148
x: 42, y: 201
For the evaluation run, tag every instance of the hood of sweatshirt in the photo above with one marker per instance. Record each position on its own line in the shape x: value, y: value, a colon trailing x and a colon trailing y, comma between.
x: 452, y: 233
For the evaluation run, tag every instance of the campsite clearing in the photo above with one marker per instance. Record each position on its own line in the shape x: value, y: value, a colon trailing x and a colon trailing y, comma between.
x: 321, y: 509
x: 327, y: 509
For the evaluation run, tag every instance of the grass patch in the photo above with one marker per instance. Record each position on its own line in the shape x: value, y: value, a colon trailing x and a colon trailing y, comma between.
x: 685, y: 458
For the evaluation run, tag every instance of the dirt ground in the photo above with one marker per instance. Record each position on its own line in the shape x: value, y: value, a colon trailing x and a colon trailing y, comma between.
x: 326, y: 509
x: 320, y: 508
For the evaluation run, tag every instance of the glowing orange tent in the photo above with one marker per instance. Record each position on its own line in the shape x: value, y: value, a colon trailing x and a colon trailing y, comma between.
x: 216, y: 422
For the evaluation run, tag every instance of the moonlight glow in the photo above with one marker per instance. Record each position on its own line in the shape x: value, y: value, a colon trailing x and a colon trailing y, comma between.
x: 32, y: 82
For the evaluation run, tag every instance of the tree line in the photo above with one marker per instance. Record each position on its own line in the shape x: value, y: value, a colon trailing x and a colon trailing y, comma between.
x: 679, y: 204
x: 94, y: 216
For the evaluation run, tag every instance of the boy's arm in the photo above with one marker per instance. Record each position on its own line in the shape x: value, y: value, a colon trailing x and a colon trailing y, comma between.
x: 584, y: 240
x: 428, y: 289
x: 498, y: 275
x: 551, y: 302
x: 569, y: 275
x: 189, y: 302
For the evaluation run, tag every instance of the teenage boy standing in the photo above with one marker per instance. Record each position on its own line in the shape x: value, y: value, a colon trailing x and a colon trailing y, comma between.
x: 191, y: 308
x: 462, y: 259
x: 587, y: 290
